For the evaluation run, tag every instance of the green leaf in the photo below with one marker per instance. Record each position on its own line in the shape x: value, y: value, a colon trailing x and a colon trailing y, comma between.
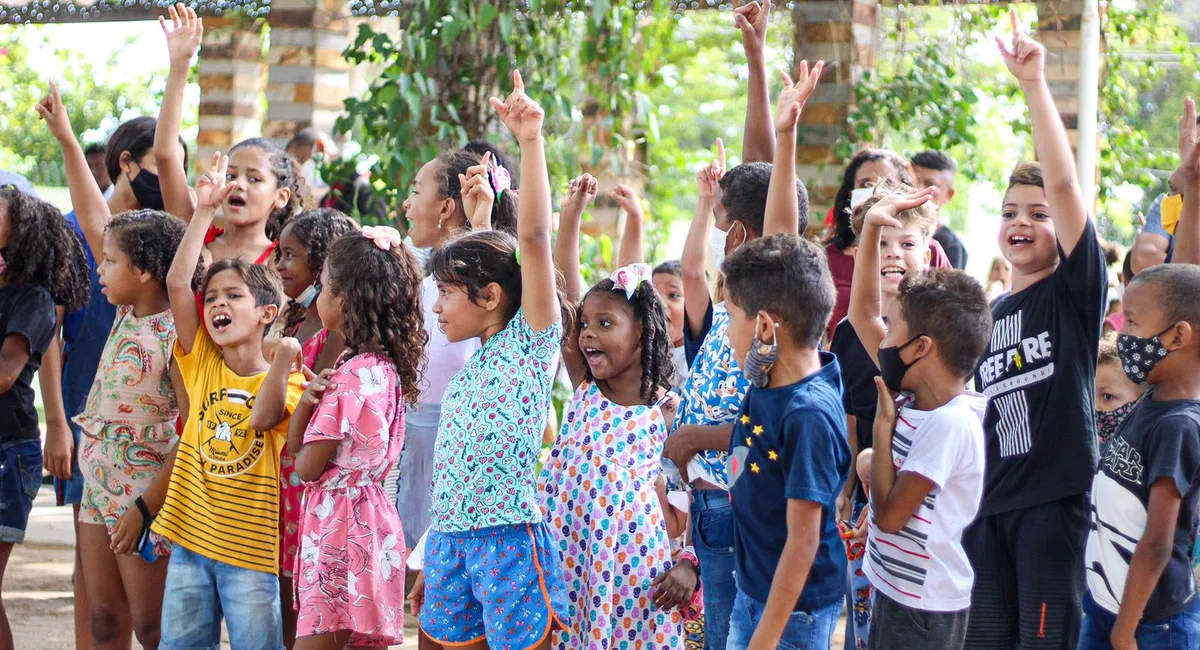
x: 487, y: 13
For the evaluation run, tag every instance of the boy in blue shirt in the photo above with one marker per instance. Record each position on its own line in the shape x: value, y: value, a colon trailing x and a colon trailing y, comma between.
x: 788, y: 456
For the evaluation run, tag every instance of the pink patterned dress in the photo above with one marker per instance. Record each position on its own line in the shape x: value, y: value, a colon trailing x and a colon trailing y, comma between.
x: 350, y: 571
x: 597, y: 490
x: 290, y: 487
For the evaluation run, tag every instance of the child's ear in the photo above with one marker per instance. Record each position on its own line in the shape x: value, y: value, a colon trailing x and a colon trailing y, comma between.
x: 492, y: 298
x: 126, y: 161
x: 144, y: 277
x: 766, y: 327
x: 923, y: 348
x: 270, y: 312
x: 1184, y: 333
x: 928, y: 255
x: 282, y: 198
x: 950, y: 195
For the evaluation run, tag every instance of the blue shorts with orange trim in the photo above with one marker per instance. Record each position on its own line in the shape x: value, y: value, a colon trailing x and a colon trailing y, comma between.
x: 504, y: 584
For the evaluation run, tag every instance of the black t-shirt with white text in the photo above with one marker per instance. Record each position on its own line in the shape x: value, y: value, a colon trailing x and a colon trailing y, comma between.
x: 1158, y: 440
x: 27, y: 312
x: 1038, y: 375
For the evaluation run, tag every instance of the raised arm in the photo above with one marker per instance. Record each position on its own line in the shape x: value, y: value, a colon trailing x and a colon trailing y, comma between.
x: 866, y: 306
x: 694, y: 261
x: 211, y: 190
x: 539, y: 294
x: 183, y: 40
x: 783, y: 209
x: 478, y: 196
x: 566, y: 256
x: 758, y: 140
x: 1187, y: 232
x: 270, y: 405
x: 91, y: 210
x: 631, y: 240
x: 1026, y: 60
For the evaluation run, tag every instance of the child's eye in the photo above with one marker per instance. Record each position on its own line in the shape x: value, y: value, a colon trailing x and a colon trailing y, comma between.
x: 230, y: 177
x: 1008, y: 215
x: 1107, y: 396
x: 605, y: 323
x: 1040, y: 215
x: 674, y: 296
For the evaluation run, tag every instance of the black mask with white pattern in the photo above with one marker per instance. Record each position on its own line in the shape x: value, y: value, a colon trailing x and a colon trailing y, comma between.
x: 1139, y: 356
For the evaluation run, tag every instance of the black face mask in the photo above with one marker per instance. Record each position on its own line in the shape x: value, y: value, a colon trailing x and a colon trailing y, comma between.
x: 892, y: 368
x: 146, y: 190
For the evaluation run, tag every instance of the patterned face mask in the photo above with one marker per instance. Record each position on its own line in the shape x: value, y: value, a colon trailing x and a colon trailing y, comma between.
x: 1139, y: 356
x: 1108, y: 422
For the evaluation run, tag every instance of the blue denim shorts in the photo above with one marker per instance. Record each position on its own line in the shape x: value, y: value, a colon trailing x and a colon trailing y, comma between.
x: 503, y: 584
x: 20, y: 478
x: 201, y: 591
x: 1178, y: 632
x: 805, y: 630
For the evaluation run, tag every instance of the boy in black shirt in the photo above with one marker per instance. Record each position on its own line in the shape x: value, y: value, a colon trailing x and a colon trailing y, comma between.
x: 1027, y: 544
x: 1146, y: 496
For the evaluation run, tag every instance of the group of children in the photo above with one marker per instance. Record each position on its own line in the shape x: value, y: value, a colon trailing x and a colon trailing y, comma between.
x: 715, y: 483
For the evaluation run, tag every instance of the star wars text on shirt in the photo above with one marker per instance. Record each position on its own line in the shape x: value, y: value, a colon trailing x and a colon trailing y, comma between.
x: 1012, y: 364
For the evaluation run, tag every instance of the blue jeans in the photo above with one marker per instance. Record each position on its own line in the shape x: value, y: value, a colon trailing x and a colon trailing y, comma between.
x: 1179, y: 632
x: 805, y: 630
x: 712, y: 537
x: 858, y: 598
x: 201, y: 590
x: 20, y: 478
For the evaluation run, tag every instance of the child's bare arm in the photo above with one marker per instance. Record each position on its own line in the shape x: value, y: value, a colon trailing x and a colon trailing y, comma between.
x: 783, y: 210
x: 1187, y: 232
x: 566, y: 256
x: 211, y: 190
x: 270, y: 405
x: 791, y: 574
x: 91, y: 210
x: 183, y: 40
x: 694, y: 261
x: 631, y: 240
x: 758, y: 140
x: 56, y: 458
x: 1026, y: 59
x: 1150, y: 558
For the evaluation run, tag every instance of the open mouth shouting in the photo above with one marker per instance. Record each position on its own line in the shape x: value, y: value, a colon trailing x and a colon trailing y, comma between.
x: 1019, y: 241
x: 220, y: 322
x: 593, y: 356
x: 235, y: 201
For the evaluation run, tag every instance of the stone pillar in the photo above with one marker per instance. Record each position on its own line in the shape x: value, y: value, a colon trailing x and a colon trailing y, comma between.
x: 1058, y: 29
x: 842, y: 33
x: 308, y: 77
x: 231, y: 81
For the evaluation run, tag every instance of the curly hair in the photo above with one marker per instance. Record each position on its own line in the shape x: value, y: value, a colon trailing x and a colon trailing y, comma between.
x: 648, y: 310
x: 150, y: 239
x: 453, y: 163
x: 381, y: 296
x: 287, y: 175
x: 843, y: 233
x: 316, y: 230
x: 43, y: 250
x: 477, y: 259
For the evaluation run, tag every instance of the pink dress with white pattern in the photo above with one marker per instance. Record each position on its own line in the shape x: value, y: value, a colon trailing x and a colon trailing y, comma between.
x: 350, y: 571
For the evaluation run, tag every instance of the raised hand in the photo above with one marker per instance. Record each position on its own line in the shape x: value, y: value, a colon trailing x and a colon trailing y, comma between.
x: 580, y: 194
x: 751, y: 19
x: 883, y: 213
x: 213, y: 187
x: 51, y: 110
x: 628, y: 200
x: 478, y: 195
x: 184, y: 34
x: 709, y: 178
x: 795, y: 95
x: 1188, y: 173
x: 522, y: 115
x: 1025, y: 57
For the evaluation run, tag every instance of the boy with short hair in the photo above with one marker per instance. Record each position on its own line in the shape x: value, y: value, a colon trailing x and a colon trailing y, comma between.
x: 1026, y: 546
x: 927, y: 477
x: 221, y: 507
x: 1146, y: 494
x: 935, y: 169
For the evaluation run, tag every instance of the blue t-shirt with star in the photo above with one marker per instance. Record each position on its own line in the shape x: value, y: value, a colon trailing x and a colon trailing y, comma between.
x: 789, y: 443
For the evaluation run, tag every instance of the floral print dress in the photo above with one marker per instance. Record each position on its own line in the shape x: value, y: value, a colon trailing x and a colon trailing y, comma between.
x: 350, y: 571
x: 290, y: 486
x: 598, y: 492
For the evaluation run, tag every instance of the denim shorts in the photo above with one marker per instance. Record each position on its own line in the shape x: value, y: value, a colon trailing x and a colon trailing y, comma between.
x: 805, y: 630
x: 1178, y: 632
x: 503, y: 584
x: 201, y: 591
x: 20, y: 478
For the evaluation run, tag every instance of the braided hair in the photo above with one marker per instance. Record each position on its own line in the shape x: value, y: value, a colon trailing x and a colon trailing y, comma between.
x: 316, y: 230
x: 648, y: 310
x: 287, y: 175
x: 381, y: 297
x: 43, y: 250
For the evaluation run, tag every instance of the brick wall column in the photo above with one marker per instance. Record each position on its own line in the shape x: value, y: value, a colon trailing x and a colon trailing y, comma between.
x: 231, y: 80
x: 308, y: 77
x: 842, y: 33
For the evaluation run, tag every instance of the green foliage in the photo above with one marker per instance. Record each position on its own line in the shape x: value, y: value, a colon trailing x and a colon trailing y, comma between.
x: 96, y: 96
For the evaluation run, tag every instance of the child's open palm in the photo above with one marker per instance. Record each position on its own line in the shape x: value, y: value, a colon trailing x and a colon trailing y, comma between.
x: 522, y: 115
x: 213, y: 187
x: 185, y: 33
x: 51, y: 110
x: 795, y: 95
x: 1025, y: 57
x: 883, y: 213
x: 1189, y: 146
x: 709, y: 178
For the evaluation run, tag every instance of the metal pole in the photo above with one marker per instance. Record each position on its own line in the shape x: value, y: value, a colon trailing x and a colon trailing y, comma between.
x: 1089, y: 91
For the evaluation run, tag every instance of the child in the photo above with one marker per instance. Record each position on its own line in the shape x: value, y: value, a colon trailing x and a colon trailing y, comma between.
x: 605, y: 465
x: 221, y: 508
x: 42, y: 266
x: 942, y: 322
x: 1146, y: 495
x: 1116, y: 395
x: 485, y: 504
x: 936, y: 170
x: 1037, y: 375
x: 346, y: 434
x: 902, y: 251
x: 299, y: 257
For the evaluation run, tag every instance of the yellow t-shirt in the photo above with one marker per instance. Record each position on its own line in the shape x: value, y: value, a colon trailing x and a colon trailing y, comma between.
x: 223, y: 499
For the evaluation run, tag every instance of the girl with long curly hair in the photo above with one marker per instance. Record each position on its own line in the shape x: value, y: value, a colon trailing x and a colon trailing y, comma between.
x: 346, y: 434
x: 619, y: 361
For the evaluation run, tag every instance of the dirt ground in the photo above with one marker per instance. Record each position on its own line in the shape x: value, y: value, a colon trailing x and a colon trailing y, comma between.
x: 38, y: 599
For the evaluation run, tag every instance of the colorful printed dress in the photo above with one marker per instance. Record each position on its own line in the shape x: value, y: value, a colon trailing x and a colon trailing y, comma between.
x: 350, y: 571
x: 597, y: 490
x: 129, y: 422
x: 290, y: 487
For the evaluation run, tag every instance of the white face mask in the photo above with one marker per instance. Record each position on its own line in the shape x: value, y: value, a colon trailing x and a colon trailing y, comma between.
x: 716, y: 245
x: 860, y: 194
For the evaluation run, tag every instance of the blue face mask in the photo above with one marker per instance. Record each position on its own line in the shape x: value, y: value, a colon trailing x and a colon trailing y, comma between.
x: 309, y: 295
